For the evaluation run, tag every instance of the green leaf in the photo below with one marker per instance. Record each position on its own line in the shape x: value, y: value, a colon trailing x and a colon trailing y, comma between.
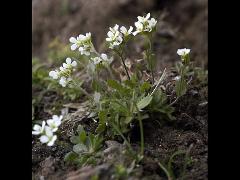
x: 131, y: 83
x: 144, y: 102
x: 70, y: 157
x: 79, y: 148
x: 102, y: 115
x: 80, y: 129
x: 115, y: 85
x: 81, y: 138
x: 128, y: 119
x: 181, y: 87
x: 75, y: 139
x: 145, y: 86
x: 97, y: 142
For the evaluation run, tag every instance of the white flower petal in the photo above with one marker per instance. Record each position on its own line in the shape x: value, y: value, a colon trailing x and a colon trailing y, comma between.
x: 108, y: 39
x: 130, y: 30
x: 68, y: 60
x: 62, y: 68
x: 110, y: 34
x: 135, y: 33
x: 148, y: 16
x: 36, y: 127
x: 139, y: 25
x: 81, y: 37
x: 57, y: 122
x: 52, y: 140
x: 55, y: 117
x: 104, y: 56
x: 50, y: 122
x: 140, y: 19
x: 36, y: 132
x: 73, y: 40
x: 88, y: 35
x: 116, y: 27
x: 51, y: 73
x: 123, y: 30
x: 74, y: 47
x: 74, y: 63
x: 54, y: 129
x: 43, y: 126
x: 44, y: 139
x: 65, y: 65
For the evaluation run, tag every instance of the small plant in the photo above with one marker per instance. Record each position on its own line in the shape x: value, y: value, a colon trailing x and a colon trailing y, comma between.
x: 168, y: 169
x: 183, y: 68
x: 86, y: 148
x: 118, y: 103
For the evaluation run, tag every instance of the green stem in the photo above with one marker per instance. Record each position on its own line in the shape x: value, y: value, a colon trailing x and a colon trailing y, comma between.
x: 120, y: 54
x: 165, y: 170
x: 142, y: 137
x: 141, y: 131
x: 128, y: 144
x: 149, y: 54
x: 125, y: 67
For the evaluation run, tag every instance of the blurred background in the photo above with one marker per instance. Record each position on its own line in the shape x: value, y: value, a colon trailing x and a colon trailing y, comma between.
x: 180, y: 24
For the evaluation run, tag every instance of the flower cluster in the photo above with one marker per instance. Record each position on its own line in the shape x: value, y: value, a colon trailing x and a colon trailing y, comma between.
x: 64, y: 72
x: 46, y: 131
x: 116, y: 37
x: 103, y: 59
x: 144, y: 24
x: 83, y: 43
x: 184, y: 53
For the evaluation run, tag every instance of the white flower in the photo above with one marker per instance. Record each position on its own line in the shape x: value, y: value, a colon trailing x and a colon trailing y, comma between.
x: 80, y: 40
x: 126, y: 32
x: 152, y: 23
x: 84, y: 50
x: 64, y: 81
x: 83, y: 43
x: 113, y: 33
x: 139, y: 27
x: 106, y: 59
x: 54, y: 74
x: 48, y: 137
x: 75, y: 45
x: 96, y: 60
x: 144, y: 24
x: 102, y: 59
x: 69, y: 64
x: 38, y: 129
x: 183, y: 52
x: 143, y: 19
x: 55, y: 122
x: 62, y: 69
x: 114, y: 37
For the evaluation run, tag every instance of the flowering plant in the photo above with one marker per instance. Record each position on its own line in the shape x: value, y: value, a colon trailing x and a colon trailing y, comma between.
x: 116, y: 104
